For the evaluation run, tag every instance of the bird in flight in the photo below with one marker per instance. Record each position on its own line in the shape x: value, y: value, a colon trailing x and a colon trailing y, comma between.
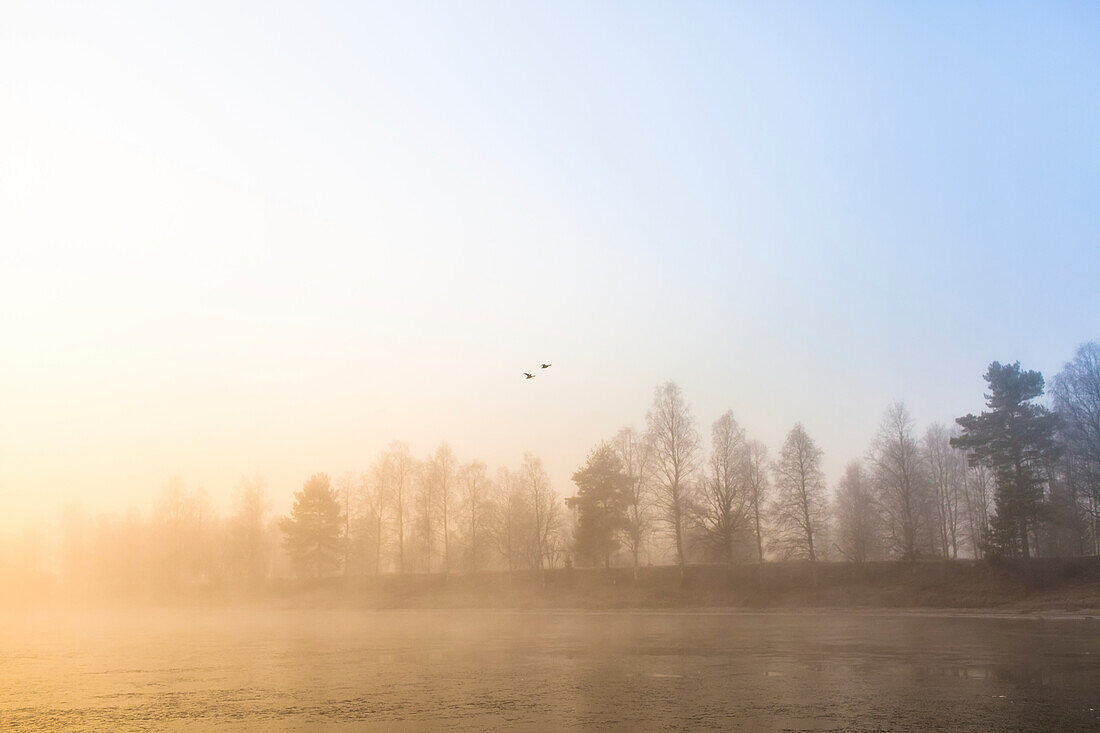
x: 528, y: 375
x: 546, y: 366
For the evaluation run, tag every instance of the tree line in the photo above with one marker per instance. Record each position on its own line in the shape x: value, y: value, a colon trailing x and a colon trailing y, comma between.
x: 401, y: 515
x: 431, y: 515
x: 1020, y: 479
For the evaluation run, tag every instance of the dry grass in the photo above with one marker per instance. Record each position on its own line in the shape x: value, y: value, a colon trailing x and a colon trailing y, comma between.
x: 1047, y: 584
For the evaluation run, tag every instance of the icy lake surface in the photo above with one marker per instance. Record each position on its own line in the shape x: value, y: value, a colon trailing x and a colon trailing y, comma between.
x: 348, y: 670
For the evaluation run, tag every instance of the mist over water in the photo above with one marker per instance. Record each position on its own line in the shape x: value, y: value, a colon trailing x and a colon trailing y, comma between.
x: 537, y: 366
x: 333, y: 669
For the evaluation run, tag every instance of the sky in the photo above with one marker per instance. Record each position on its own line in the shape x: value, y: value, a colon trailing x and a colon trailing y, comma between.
x: 242, y: 238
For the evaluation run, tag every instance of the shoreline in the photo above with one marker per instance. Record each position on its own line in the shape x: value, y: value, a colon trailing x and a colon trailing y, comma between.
x: 1067, y: 587
x: 1087, y: 615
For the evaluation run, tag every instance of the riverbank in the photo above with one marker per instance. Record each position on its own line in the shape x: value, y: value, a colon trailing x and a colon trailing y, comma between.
x: 1069, y: 585
x: 1041, y: 585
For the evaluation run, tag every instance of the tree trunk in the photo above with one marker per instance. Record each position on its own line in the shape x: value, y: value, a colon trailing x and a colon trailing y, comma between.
x: 806, y: 516
x: 428, y: 530
x: 401, y: 542
x: 680, y: 548
x: 378, y: 546
x: 1025, y: 546
x: 759, y: 539
x: 473, y: 542
x: 446, y: 544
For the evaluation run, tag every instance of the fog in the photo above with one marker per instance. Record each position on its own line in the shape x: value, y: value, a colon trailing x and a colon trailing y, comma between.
x: 661, y: 494
x: 231, y: 669
x: 717, y: 583
x: 539, y: 366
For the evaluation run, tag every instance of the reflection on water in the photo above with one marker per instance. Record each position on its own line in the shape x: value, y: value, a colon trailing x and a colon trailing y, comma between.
x: 498, y: 669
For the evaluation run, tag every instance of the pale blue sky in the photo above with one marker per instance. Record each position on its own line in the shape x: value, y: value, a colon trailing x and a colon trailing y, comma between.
x: 272, y: 237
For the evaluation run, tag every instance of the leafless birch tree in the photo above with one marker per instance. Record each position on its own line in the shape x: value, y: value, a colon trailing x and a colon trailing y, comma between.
x: 674, y: 441
x: 947, y: 471
x: 858, y: 522
x: 249, y: 524
x: 374, y: 493
x: 474, y: 484
x: 441, y: 473
x: 634, y: 453
x: 424, y: 509
x: 756, y: 483
x: 977, y: 500
x: 1076, y: 391
x: 900, y: 482
x: 401, y: 471
x: 345, y: 487
x: 545, y: 507
x: 799, y: 507
x: 512, y: 527
x: 720, y: 512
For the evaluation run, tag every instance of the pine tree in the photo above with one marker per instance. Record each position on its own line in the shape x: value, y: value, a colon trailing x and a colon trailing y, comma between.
x: 1015, y: 439
x: 600, y: 504
x: 312, y: 532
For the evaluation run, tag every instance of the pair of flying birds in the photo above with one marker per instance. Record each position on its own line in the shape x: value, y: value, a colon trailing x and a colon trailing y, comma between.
x: 529, y: 375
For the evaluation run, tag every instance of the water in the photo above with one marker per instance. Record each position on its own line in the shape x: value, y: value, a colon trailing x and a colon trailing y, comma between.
x: 341, y: 669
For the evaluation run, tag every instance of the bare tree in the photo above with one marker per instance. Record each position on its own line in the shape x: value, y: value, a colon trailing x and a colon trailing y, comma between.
x: 545, y: 508
x: 401, y: 470
x: 977, y: 499
x: 634, y: 453
x: 442, y: 467
x: 947, y: 472
x: 900, y: 482
x: 249, y: 524
x: 345, y: 486
x: 374, y: 497
x: 858, y: 530
x: 1065, y: 527
x: 799, y: 506
x: 512, y: 526
x: 720, y: 512
x: 674, y: 442
x: 176, y: 513
x: 1076, y: 391
x: 364, y: 505
x: 756, y: 484
x: 474, y: 484
x: 203, y: 566
x: 426, y: 500
x: 557, y: 543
